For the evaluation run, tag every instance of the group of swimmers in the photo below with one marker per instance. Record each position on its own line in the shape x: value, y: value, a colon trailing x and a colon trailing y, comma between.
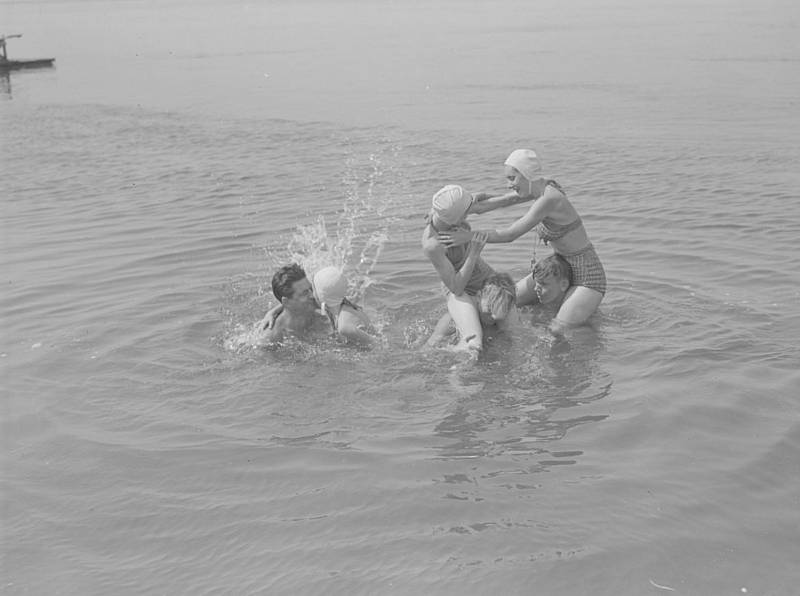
x: 478, y: 297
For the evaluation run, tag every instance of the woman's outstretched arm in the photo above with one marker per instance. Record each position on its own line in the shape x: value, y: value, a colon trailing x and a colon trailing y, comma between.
x: 485, y: 203
x: 537, y: 212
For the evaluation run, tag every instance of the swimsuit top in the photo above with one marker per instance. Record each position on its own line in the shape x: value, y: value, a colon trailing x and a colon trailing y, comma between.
x: 458, y: 254
x: 548, y: 230
x: 335, y: 320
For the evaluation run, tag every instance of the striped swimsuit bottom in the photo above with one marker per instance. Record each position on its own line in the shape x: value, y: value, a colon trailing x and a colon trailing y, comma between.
x: 587, y: 270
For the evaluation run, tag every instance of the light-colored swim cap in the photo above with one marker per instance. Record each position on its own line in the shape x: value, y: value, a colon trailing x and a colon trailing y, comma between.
x: 451, y: 203
x: 526, y: 163
x: 330, y: 287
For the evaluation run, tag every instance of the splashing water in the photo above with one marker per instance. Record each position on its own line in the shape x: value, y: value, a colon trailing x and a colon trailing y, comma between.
x: 352, y: 241
x: 348, y: 242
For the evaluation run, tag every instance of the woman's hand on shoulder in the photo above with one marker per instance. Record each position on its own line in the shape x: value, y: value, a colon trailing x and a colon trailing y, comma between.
x: 268, y: 322
x: 455, y: 237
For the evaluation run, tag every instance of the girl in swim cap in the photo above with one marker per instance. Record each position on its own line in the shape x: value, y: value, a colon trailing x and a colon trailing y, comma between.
x: 461, y: 268
x: 348, y: 321
x: 557, y: 223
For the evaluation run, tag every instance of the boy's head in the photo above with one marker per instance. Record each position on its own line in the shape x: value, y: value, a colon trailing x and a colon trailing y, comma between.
x: 552, y: 277
x: 292, y: 288
x: 496, y: 298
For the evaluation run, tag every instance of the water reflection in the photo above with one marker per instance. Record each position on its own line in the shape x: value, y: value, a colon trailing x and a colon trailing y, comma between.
x: 5, y: 84
x: 513, y: 401
x: 19, y: 67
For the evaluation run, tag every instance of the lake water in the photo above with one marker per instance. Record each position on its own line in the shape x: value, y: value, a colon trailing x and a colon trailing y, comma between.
x: 179, y: 152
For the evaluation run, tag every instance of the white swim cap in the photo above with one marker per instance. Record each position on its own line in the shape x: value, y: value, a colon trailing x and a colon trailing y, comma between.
x: 330, y: 287
x: 451, y: 203
x: 526, y: 163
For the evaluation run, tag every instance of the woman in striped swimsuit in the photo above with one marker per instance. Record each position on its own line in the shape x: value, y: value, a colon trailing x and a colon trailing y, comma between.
x: 558, y: 224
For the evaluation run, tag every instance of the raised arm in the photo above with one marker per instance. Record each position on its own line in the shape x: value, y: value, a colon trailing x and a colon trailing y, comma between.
x: 536, y: 213
x: 524, y: 224
x: 484, y: 203
x: 455, y: 281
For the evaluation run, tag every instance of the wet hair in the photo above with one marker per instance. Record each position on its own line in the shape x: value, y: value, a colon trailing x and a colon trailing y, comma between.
x: 284, y: 278
x: 553, y: 265
x: 498, y: 295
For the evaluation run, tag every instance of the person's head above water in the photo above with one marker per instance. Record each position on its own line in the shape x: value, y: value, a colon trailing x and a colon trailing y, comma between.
x: 552, y: 277
x: 292, y: 288
x: 523, y: 163
x: 351, y: 323
x: 330, y: 287
x: 451, y: 204
x: 526, y: 162
x: 496, y: 298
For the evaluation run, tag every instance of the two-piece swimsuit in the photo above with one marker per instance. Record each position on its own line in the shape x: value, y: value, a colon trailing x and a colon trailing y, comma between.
x: 587, y: 270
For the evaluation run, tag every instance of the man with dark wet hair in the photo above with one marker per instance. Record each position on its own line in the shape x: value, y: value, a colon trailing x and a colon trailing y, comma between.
x: 293, y: 290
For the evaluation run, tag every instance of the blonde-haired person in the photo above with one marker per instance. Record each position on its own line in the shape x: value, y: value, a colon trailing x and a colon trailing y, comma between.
x: 496, y: 310
x: 558, y: 224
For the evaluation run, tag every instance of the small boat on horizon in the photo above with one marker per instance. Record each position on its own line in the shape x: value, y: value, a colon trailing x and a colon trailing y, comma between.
x: 6, y: 64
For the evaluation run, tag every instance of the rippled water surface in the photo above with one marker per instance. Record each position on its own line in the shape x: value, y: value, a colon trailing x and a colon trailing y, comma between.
x: 178, y: 153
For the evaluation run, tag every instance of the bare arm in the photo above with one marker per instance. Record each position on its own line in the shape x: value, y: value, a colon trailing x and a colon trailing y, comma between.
x: 268, y: 322
x: 455, y: 281
x: 536, y: 213
x: 272, y: 335
x: 485, y: 203
x: 351, y: 327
